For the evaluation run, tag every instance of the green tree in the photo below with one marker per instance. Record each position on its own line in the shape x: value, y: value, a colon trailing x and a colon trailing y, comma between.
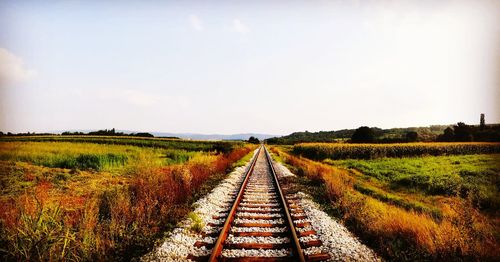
x: 363, y: 134
x: 447, y: 136
x: 253, y: 140
x: 462, y: 132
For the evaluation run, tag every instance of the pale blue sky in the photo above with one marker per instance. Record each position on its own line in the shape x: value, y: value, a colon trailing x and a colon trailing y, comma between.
x: 247, y: 66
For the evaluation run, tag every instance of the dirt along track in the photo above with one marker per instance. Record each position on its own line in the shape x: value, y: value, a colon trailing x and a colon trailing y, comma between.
x: 263, y: 224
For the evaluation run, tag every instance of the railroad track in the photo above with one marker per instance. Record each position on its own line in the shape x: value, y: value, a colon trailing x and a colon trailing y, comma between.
x: 263, y: 223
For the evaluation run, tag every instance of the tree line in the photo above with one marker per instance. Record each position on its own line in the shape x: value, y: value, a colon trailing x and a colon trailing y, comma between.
x: 104, y: 132
x: 460, y: 132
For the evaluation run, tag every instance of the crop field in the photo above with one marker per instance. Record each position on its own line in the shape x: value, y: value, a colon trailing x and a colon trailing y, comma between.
x: 83, y: 198
x: 437, y: 201
x: 320, y: 151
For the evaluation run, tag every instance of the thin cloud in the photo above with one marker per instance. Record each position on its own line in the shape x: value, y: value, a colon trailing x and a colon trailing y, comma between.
x: 239, y: 27
x: 12, y: 69
x: 196, y: 22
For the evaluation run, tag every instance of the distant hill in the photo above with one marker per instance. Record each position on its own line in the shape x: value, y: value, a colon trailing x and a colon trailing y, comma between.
x: 425, y: 134
x: 195, y: 136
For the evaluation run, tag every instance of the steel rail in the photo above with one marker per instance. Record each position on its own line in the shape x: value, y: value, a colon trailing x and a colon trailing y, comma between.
x: 295, y: 240
x: 217, y: 249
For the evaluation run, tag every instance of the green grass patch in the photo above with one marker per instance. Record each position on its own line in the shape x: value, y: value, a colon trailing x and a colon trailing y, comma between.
x: 196, y: 222
x: 464, y: 175
x: 397, y: 200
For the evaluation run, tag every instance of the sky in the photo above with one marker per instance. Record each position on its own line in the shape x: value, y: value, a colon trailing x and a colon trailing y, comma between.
x: 228, y: 67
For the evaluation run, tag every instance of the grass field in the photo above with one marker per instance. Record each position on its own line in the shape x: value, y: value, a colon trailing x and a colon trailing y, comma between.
x: 476, y: 176
x: 89, y: 156
x: 412, y: 208
x: 165, y: 143
x: 75, y: 199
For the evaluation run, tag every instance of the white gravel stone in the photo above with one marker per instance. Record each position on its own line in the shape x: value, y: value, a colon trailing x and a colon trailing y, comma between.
x: 209, y: 240
x: 244, y: 203
x: 262, y: 209
x: 259, y: 197
x: 209, y: 230
x: 336, y: 239
x: 260, y: 214
x: 258, y: 229
x: 273, y: 240
x: 304, y: 229
x: 255, y: 253
x: 298, y: 221
x: 263, y: 221
x: 308, y: 238
x: 281, y: 170
x: 314, y: 250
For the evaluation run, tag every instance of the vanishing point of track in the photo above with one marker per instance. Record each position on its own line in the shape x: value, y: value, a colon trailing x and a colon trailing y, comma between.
x: 263, y: 219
